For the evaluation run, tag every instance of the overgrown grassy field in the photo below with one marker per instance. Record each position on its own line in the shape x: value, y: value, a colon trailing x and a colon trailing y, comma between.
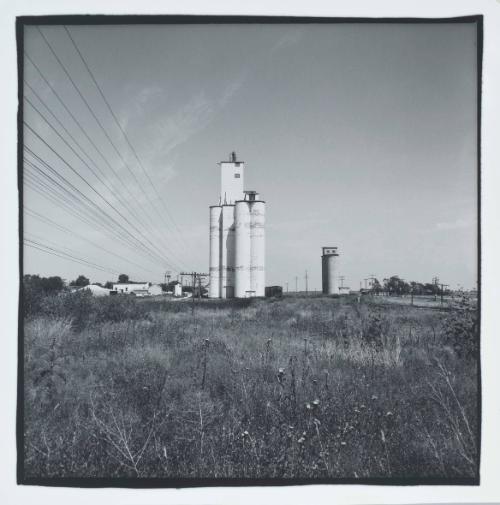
x: 306, y: 387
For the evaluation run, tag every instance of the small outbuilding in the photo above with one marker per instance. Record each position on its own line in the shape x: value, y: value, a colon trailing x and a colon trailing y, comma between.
x: 274, y: 291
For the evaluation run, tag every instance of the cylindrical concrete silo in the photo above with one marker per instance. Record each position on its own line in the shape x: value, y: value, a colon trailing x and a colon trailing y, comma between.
x: 215, y: 251
x: 242, y: 249
x: 328, y: 271
x: 257, y: 248
x: 227, y: 252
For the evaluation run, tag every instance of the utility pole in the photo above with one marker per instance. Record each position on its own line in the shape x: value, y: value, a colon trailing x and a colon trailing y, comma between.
x: 192, y: 294
x: 442, y: 291
x: 167, y: 277
x: 287, y: 287
x: 341, y: 279
x: 194, y: 276
x: 307, y: 286
x: 435, y: 281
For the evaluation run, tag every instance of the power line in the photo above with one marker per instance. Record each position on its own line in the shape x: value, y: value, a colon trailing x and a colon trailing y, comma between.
x: 124, y: 133
x: 61, y: 101
x: 85, y: 214
x: 70, y: 200
x: 91, y: 187
x: 67, y: 200
x: 71, y: 232
x: 78, y: 199
x: 98, y: 177
x: 114, y: 191
x: 110, y: 140
x: 90, y: 168
x: 62, y: 254
x: 62, y: 201
x: 60, y: 249
x: 91, y: 202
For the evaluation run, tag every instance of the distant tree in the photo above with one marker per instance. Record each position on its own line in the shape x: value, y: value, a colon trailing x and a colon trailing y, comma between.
x: 47, y: 285
x: 52, y: 284
x: 405, y: 288
x: 80, y: 281
x: 170, y: 286
x: 387, y: 287
x: 431, y: 289
x: 417, y: 288
x: 35, y: 288
x: 376, y: 287
x: 396, y: 286
x: 123, y: 278
x: 108, y: 285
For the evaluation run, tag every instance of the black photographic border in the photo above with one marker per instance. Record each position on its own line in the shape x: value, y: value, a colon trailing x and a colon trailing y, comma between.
x: 136, y: 482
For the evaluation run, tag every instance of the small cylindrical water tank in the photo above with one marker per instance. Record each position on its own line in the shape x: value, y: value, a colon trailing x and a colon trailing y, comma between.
x: 329, y: 270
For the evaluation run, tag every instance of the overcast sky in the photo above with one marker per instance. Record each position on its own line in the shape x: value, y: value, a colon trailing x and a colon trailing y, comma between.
x: 361, y: 136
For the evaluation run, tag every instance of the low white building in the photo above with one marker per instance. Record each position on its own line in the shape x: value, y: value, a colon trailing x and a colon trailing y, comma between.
x: 177, y: 290
x: 137, y: 288
x: 126, y: 288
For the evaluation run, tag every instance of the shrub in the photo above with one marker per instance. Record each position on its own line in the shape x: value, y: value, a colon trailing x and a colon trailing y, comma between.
x: 375, y: 327
x: 461, y: 329
x: 76, y: 306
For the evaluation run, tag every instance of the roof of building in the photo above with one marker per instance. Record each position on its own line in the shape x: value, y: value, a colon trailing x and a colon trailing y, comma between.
x: 130, y: 282
x: 95, y: 288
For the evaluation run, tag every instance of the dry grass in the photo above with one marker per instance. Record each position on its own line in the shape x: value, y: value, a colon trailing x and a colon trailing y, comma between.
x: 298, y: 387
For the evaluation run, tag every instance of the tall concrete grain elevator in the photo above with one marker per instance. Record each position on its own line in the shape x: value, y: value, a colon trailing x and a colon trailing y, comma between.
x: 237, y: 237
x: 329, y: 269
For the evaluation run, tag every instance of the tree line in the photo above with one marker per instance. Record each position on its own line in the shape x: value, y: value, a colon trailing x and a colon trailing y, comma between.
x: 394, y: 285
x: 50, y: 285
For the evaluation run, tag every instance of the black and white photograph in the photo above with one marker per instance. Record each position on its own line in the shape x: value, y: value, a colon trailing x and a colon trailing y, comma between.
x: 250, y: 250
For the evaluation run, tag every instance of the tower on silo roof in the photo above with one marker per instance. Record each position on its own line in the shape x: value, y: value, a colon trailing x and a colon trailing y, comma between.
x: 232, y: 173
